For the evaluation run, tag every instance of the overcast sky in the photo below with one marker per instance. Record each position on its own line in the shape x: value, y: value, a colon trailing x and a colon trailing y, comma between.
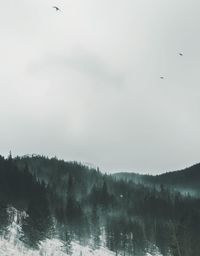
x: 84, y: 83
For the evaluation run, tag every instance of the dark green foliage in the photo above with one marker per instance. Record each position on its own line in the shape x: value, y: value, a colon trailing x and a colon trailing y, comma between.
x: 185, y: 181
x: 4, y: 220
x: 82, y: 204
x: 95, y: 227
x: 20, y: 188
x: 37, y: 225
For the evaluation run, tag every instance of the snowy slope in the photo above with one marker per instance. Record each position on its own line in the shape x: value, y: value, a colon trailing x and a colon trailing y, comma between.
x: 10, y: 244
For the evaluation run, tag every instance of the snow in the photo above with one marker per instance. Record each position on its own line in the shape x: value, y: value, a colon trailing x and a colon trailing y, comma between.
x: 52, y: 247
x: 10, y: 244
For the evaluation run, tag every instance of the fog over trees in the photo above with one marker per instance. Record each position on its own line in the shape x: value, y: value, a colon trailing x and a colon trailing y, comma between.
x: 74, y: 202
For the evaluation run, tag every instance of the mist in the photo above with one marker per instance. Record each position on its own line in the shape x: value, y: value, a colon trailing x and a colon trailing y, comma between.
x: 84, y: 84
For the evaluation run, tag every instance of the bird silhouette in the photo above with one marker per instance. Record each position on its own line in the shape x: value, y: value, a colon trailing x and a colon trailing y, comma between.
x: 56, y: 8
x: 180, y: 54
x: 161, y: 77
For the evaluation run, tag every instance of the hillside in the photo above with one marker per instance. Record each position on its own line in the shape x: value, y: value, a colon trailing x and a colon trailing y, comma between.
x: 76, y: 204
x: 187, y: 180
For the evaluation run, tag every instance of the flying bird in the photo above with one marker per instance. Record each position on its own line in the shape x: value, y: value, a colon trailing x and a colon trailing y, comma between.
x: 161, y: 77
x: 180, y: 54
x: 56, y: 8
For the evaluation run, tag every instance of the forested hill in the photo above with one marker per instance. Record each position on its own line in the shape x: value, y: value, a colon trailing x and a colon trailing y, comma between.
x: 53, y: 171
x: 187, y: 179
x: 76, y: 203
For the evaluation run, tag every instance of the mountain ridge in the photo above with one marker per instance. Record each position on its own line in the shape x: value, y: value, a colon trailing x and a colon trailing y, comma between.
x: 187, y: 178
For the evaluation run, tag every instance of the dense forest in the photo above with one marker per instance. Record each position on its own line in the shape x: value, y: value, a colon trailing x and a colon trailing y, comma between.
x: 184, y: 181
x: 75, y: 202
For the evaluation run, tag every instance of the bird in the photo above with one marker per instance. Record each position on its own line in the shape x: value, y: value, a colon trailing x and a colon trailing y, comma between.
x: 180, y: 54
x: 161, y: 77
x: 56, y: 8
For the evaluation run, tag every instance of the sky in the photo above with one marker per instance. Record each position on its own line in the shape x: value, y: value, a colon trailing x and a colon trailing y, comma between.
x: 84, y: 83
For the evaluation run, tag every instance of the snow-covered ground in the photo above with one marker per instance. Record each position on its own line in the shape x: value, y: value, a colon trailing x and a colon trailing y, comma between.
x: 49, y: 248
x: 10, y: 244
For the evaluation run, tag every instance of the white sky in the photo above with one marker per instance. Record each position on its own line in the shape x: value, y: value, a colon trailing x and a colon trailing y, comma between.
x: 84, y: 83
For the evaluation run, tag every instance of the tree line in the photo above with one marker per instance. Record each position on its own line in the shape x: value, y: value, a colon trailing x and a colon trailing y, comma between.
x: 73, y: 201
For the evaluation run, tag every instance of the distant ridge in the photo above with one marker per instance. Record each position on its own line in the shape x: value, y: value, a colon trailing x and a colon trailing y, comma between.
x: 187, y: 179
